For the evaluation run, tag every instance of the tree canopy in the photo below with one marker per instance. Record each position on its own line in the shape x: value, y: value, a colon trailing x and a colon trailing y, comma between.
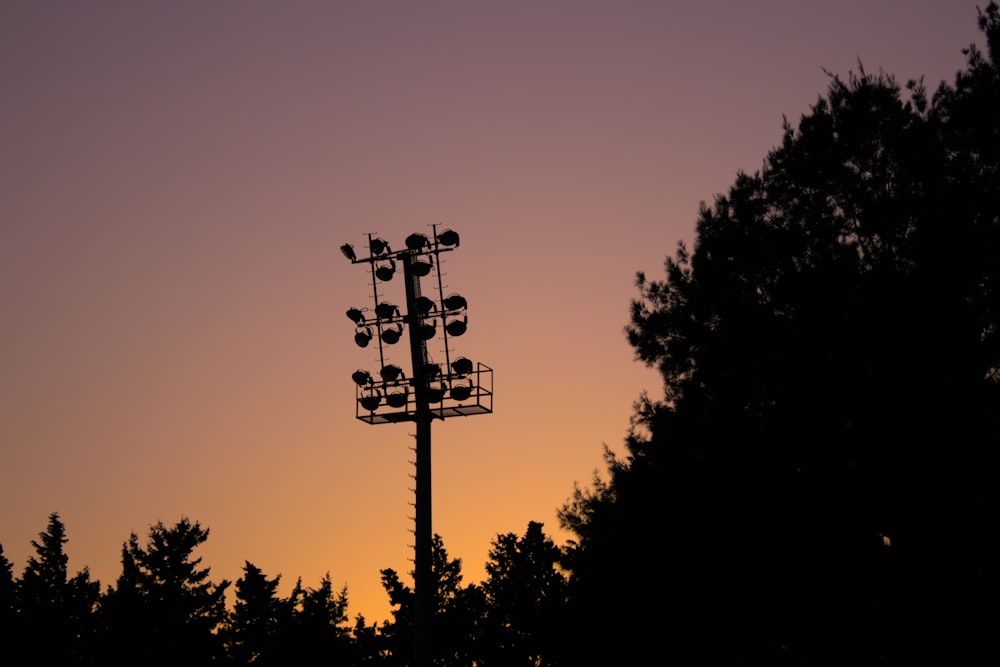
x: 164, y: 608
x: 821, y: 468
x: 52, y: 611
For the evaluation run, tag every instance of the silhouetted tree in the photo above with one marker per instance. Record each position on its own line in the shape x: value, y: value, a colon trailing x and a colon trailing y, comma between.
x: 259, y: 617
x: 122, y: 611
x: 456, y: 631
x: 821, y: 469
x: 54, y: 611
x: 967, y: 114
x: 8, y: 601
x: 397, y: 634
x: 367, y: 643
x: 318, y: 624
x: 525, y: 600
x: 164, y: 609
x: 458, y: 613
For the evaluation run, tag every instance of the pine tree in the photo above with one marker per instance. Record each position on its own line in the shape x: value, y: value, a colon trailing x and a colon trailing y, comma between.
x: 165, y: 610
x: 259, y: 616
x: 525, y: 597
x: 55, y: 612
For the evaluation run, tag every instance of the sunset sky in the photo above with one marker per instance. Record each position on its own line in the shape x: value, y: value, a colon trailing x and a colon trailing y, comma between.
x: 176, y: 179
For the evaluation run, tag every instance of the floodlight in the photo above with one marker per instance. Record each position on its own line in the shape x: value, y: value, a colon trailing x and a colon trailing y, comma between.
x: 361, y: 377
x: 462, y: 366
x: 392, y: 336
x: 448, y: 238
x: 397, y: 399
x: 391, y: 373
x: 462, y: 391
x: 378, y: 247
x: 348, y: 251
x: 427, y: 329
x: 356, y: 315
x: 386, y: 310
x: 362, y: 338
x: 436, y: 392
x: 385, y: 272
x: 421, y: 268
x: 455, y: 302
x: 431, y: 370
x: 371, y: 401
x: 425, y: 305
x: 417, y: 241
x: 457, y: 327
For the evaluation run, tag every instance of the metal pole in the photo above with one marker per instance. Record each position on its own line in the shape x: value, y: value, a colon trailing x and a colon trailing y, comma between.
x: 423, y: 585
x: 423, y: 610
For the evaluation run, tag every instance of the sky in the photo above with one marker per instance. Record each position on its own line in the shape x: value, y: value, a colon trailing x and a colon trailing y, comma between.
x: 176, y: 179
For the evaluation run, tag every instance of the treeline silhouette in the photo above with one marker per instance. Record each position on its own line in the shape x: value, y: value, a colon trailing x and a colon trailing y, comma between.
x: 818, y: 486
x: 164, y: 609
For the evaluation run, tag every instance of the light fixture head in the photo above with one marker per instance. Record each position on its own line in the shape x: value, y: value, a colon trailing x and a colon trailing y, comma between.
x: 448, y: 238
x: 457, y: 327
x: 455, y: 302
x: 425, y: 305
x: 462, y: 366
x: 371, y: 401
x: 417, y: 241
x: 379, y: 247
x: 421, y: 268
x: 356, y: 315
x: 427, y: 330
x: 391, y: 373
x: 386, y: 310
x: 392, y: 336
x: 462, y: 391
x: 431, y: 370
x: 361, y: 377
x: 397, y: 399
x: 348, y: 251
x: 362, y: 338
x: 435, y: 393
x: 385, y: 271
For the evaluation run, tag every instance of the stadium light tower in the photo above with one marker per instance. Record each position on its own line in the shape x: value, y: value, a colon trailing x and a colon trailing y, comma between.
x: 431, y: 390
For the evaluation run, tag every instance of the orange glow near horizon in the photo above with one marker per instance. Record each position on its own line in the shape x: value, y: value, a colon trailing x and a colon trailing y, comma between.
x: 177, y: 182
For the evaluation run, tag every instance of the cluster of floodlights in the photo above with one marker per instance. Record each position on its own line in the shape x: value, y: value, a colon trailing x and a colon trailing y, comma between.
x: 389, y: 320
x: 395, y: 389
x: 387, y: 323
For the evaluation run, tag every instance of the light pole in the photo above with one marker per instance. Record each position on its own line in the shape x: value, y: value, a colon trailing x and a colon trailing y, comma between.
x: 432, y: 390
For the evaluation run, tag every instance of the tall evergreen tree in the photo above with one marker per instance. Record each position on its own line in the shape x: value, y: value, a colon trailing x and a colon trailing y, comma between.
x: 8, y: 601
x: 165, y: 609
x: 55, y: 612
x: 122, y: 611
x: 259, y: 616
x: 525, y: 598
x: 318, y: 625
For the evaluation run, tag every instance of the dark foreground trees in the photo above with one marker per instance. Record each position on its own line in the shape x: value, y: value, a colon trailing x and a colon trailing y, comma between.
x: 165, y: 610
x: 258, y: 619
x: 515, y: 617
x: 48, y: 612
x: 456, y: 621
x: 525, y: 601
x: 819, y: 484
